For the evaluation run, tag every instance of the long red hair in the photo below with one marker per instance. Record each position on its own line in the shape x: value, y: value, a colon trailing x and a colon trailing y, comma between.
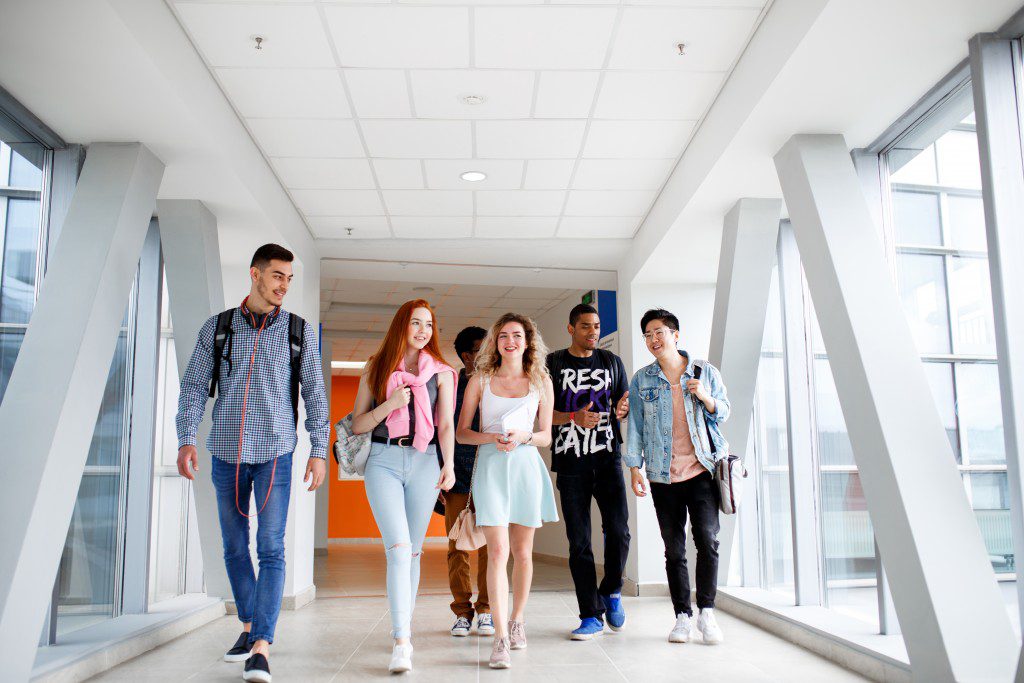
x: 392, y: 348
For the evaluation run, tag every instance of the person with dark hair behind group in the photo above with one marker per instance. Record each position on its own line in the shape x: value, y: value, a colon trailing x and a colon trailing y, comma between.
x: 590, y: 398
x: 256, y: 356
x: 467, y: 345
x: 675, y: 420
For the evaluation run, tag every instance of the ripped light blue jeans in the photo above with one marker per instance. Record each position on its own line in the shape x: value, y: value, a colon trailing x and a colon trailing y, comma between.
x: 401, y: 485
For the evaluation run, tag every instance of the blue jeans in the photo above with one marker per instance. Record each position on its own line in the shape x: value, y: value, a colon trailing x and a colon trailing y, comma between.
x: 258, y: 599
x: 401, y: 485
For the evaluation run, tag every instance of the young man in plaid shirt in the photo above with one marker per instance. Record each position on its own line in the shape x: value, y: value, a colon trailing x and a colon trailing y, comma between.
x: 252, y: 440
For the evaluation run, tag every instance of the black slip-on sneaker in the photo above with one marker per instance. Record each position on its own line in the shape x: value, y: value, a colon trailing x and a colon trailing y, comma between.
x: 239, y: 652
x: 257, y: 668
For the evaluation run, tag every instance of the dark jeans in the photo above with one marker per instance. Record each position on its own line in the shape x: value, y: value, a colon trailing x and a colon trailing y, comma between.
x: 258, y: 599
x: 671, y: 503
x: 604, y: 484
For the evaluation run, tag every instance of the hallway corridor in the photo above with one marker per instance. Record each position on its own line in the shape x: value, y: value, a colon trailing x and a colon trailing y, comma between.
x: 345, y: 638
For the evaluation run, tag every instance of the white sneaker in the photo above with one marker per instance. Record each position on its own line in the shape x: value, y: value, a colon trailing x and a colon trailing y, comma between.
x: 461, y: 627
x: 401, y: 659
x: 485, y: 624
x: 708, y: 627
x: 683, y: 629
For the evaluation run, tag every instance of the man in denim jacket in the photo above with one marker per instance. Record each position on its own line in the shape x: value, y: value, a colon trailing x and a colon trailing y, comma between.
x: 674, y: 421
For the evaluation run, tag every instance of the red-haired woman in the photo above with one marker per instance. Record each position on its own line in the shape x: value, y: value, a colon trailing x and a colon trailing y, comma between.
x: 406, y: 399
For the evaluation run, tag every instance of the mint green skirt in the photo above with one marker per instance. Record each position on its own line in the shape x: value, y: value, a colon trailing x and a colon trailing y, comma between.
x: 512, y: 488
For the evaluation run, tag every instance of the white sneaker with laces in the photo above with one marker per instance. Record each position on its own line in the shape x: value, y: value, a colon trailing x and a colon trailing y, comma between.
x: 485, y: 624
x: 461, y: 627
x: 683, y: 629
x: 401, y: 659
x: 708, y: 627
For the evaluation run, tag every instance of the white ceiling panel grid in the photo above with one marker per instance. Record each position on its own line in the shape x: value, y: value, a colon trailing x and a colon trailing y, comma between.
x: 369, y: 111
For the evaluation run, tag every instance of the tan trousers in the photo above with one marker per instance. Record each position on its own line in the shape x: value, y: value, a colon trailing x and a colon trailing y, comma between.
x: 459, y: 578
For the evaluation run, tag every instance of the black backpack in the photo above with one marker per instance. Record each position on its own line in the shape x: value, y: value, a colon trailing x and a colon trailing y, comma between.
x: 223, y: 335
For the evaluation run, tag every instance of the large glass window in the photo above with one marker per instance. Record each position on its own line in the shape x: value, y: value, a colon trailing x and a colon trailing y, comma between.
x: 943, y: 277
x: 772, y: 448
x: 847, y: 536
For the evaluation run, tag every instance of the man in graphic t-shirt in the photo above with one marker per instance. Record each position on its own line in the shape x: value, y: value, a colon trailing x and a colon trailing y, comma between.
x: 590, y: 398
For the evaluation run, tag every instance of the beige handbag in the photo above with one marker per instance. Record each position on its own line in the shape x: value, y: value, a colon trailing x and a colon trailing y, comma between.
x: 466, y: 534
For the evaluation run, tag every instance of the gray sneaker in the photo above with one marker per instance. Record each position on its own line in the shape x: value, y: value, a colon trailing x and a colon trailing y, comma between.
x: 500, y: 658
x: 517, y: 635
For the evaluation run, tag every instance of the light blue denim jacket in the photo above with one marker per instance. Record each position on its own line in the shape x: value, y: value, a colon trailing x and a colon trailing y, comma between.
x: 650, y: 419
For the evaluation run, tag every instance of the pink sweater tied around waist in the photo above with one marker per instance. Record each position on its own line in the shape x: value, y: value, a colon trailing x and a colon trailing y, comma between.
x: 398, y: 420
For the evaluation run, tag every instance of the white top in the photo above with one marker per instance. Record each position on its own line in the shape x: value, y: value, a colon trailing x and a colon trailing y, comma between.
x: 500, y: 415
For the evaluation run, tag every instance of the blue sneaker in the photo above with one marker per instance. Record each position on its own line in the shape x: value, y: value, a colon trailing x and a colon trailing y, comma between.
x: 613, y: 611
x: 589, y: 627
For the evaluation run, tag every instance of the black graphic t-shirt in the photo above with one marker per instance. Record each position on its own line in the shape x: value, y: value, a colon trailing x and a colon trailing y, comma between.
x: 601, y: 379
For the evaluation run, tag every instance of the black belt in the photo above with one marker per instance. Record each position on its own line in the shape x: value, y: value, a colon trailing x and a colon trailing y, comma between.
x: 401, y: 441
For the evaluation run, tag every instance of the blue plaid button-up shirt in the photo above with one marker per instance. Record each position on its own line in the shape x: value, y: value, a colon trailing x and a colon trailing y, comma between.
x: 269, y: 421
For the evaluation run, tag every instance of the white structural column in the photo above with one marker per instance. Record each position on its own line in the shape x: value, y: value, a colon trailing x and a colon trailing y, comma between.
x: 323, y: 494
x: 195, y: 288
x: 49, y: 411
x: 995, y: 77
x: 924, y: 526
x: 749, y: 238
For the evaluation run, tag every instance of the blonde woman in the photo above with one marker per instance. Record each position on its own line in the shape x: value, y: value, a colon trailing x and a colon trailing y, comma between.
x: 511, y: 488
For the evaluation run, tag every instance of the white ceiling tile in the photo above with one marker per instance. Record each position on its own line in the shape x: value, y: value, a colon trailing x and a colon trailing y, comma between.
x: 286, y: 93
x: 325, y: 174
x: 542, y: 37
x: 566, y: 94
x: 637, y: 139
x: 519, y: 203
x: 419, y: 139
x: 336, y: 227
x: 400, y: 37
x: 428, y: 202
x: 656, y: 94
x: 608, y: 202
x: 530, y: 139
x: 432, y: 227
x: 501, y: 174
x: 438, y: 94
x: 293, y: 36
x: 315, y: 138
x: 648, y: 37
x: 399, y: 174
x: 379, y: 93
x: 598, y: 227
x: 516, y: 227
x: 548, y: 174
x: 338, y: 202
x: 612, y: 174
x: 757, y: 4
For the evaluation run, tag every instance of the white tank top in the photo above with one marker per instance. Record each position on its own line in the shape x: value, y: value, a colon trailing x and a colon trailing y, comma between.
x: 499, y: 415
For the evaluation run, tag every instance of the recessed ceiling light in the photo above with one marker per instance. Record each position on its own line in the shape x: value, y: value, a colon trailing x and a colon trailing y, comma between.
x: 473, y: 100
x: 473, y: 176
x: 424, y: 290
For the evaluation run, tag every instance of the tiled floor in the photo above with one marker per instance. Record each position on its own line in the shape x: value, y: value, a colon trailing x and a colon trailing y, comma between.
x: 345, y: 638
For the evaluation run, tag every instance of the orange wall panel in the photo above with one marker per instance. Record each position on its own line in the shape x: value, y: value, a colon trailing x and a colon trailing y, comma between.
x: 350, y: 515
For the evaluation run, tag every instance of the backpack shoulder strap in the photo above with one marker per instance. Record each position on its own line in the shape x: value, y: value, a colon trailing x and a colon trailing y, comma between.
x: 221, y: 336
x: 296, y: 340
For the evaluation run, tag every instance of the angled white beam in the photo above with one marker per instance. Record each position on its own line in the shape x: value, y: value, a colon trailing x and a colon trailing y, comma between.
x: 995, y: 71
x: 49, y: 411
x: 924, y: 526
x: 749, y: 237
x: 195, y: 287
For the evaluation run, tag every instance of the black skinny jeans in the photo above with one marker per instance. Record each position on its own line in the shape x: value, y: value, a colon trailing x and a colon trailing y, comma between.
x: 604, y: 483
x: 671, y: 503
